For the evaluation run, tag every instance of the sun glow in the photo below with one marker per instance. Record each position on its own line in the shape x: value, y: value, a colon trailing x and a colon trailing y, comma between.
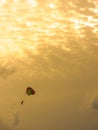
x: 29, y: 24
x: 32, y: 2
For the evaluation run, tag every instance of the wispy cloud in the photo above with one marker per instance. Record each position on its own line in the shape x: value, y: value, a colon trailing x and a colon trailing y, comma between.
x: 64, y: 32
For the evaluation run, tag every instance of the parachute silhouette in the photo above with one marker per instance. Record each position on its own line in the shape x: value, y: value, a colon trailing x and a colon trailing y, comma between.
x: 30, y: 91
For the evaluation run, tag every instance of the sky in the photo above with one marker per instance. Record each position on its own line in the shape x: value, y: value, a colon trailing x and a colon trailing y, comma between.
x: 51, y: 46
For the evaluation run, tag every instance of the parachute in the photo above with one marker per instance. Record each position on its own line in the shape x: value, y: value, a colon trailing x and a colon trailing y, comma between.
x: 30, y: 91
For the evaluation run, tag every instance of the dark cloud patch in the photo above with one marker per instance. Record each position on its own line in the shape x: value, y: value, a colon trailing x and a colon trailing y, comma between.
x: 94, y: 104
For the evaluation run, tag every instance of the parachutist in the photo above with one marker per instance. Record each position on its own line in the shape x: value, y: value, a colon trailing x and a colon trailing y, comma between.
x: 29, y: 91
x: 22, y: 102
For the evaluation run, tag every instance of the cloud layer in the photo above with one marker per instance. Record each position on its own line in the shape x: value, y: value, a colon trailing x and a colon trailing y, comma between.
x: 64, y: 32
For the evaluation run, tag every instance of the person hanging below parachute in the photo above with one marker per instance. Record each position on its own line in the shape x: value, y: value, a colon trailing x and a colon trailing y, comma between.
x: 22, y: 102
x: 29, y: 91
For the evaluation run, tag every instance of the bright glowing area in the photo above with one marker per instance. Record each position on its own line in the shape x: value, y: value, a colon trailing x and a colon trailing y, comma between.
x: 3, y: 2
x: 32, y: 2
x: 51, y: 5
x: 23, y: 27
x: 76, y: 23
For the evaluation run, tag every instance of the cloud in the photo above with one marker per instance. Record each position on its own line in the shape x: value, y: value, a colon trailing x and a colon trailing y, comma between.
x: 63, y: 47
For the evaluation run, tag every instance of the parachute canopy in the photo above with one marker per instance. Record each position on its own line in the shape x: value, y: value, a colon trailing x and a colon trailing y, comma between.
x: 30, y: 91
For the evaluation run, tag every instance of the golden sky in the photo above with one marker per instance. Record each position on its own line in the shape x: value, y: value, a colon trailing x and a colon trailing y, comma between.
x: 53, y: 47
